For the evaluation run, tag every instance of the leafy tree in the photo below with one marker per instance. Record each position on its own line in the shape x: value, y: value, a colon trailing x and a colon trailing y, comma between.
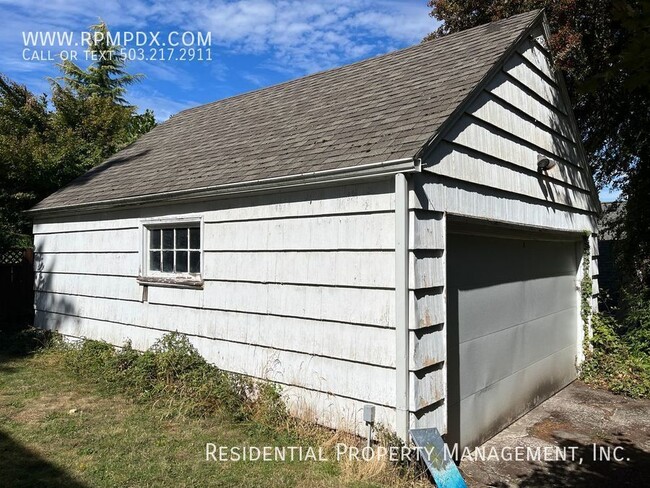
x: 89, y: 130
x: 106, y: 76
x: 140, y: 124
x: 25, y: 157
x: 602, y: 48
x: 42, y: 149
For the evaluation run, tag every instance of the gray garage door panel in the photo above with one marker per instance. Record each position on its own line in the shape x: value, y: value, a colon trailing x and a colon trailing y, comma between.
x: 520, y: 344
x: 527, y: 301
x: 512, y: 326
x: 523, y: 390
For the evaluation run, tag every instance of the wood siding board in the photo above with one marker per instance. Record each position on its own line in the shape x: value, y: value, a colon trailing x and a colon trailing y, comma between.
x: 426, y: 270
x: 344, y: 232
x: 110, y: 264
x: 364, y: 197
x: 281, y: 333
x: 502, y: 87
x: 90, y: 241
x: 520, y: 159
x: 594, y: 266
x: 70, y: 228
x: 469, y: 200
x: 364, y: 382
x: 333, y: 411
x: 425, y: 230
x: 364, y: 269
x: 537, y: 62
x: 432, y: 416
x: 480, y: 201
x: 483, y: 171
x: 522, y: 72
x: 593, y: 246
x: 509, y: 141
x: 427, y: 387
x: 321, y: 303
x: 115, y: 287
x: 426, y: 308
x: 428, y: 347
x: 489, y: 110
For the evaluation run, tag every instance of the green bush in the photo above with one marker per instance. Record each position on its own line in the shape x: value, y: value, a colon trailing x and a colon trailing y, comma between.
x: 636, y: 322
x: 613, y: 364
x: 27, y: 341
x: 172, y: 372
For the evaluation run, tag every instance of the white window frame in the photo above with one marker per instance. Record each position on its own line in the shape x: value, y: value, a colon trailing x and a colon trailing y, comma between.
x: 160, y: 278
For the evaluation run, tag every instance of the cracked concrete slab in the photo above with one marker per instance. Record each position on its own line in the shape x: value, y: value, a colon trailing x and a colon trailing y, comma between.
x: 584, y: 437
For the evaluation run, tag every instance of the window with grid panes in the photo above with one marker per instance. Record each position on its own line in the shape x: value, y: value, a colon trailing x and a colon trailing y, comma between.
x: 175, y: 250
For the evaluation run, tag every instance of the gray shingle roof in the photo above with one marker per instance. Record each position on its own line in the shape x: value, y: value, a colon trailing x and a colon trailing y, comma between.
x: 380, y: 109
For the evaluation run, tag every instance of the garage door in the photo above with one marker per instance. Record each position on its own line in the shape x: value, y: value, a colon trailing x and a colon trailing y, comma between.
x: 512, y: 328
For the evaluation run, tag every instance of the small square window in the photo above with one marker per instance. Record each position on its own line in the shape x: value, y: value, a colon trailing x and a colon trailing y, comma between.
x: 174, y: 250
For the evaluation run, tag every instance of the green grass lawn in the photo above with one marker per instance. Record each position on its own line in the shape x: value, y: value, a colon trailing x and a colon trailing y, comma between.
x: 58, y: 430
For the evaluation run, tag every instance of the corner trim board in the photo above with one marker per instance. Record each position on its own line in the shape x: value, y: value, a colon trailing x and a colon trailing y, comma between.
x: 402, y: 305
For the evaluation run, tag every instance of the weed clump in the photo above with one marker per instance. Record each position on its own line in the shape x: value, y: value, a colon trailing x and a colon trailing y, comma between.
x: 27, y: 341
x: 172, y: 373
x: 615, y: 362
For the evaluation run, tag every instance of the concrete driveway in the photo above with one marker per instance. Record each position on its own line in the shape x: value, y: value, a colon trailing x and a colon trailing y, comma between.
x: 553, y: 445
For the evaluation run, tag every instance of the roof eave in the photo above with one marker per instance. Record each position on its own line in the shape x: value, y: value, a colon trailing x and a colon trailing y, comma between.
x: 267, y: 185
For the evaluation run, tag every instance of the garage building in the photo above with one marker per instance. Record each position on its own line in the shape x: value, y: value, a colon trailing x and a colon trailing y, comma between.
x: 406, y: 232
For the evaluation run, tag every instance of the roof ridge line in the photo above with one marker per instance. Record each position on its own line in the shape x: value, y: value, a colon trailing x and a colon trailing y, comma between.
x: 452, y: 118
x: 361, y: 61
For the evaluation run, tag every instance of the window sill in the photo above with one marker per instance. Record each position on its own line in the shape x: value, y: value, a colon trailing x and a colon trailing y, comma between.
x: 195, y: 284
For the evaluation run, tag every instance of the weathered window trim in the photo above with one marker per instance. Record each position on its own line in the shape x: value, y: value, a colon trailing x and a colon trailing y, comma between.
x: 175, y: 280
x: 170, y: 282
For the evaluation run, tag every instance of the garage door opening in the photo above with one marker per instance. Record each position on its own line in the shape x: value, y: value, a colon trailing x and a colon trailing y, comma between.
x: 512, y: 320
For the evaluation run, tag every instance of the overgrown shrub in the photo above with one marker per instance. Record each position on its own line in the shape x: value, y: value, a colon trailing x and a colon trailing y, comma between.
x: 613, y: 364
x: 26, y: 341
x: 636, y: 321
x: 173, y: 373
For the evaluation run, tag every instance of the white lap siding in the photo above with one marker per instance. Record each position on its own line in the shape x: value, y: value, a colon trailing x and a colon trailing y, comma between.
x: 299, y: 289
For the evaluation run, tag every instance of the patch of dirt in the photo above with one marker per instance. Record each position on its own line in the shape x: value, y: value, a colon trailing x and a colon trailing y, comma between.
x: 37, y: 409
x: 547, y: 428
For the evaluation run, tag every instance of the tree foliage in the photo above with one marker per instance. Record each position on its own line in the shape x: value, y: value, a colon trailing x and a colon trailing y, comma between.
x: 47, y: 142
x: 106, y: 76
x: 26, y: 146
x: 602, y: 48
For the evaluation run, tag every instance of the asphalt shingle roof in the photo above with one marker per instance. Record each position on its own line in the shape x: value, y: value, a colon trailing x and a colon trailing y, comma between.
x: 380, y: 109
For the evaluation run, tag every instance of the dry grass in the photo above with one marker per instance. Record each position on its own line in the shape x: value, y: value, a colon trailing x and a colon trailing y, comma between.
x: 62, y: 430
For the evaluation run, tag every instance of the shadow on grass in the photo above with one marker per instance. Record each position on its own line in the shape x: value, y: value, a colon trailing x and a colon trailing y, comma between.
x: 22, y: 467
x: 22, y: 343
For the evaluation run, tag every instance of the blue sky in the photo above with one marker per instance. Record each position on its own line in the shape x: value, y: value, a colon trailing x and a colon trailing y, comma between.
x: 254, y: 43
